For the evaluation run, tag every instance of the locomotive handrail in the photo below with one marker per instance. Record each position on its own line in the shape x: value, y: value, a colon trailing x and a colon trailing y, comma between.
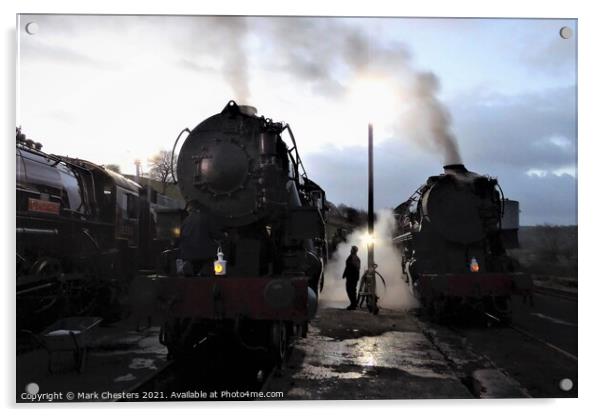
x: 50, y: 157
x: 402, y: 237
x: 30, y: 230
x: 23, y: 165
x: 503, y: 205
x: 298, y: 161
x: 173, y: 151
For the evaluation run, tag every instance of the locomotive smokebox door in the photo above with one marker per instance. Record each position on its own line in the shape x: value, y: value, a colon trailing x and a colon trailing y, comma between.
x: 453, y: 210
x: 222, y: 167
x: 304, y: 223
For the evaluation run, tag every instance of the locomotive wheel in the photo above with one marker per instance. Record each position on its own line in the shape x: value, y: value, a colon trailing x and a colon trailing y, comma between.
x: 279, y: 341
x: 436, y: 309
x: 81, y: 290
x: 501, y: 306
x: 48, y: 269
x: 109, y: 304
x: 176, y: 334
x: 80, y: 297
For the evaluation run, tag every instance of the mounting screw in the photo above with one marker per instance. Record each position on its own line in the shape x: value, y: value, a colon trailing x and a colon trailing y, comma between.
x: 32, y: 28
x: 565, y: 33
x: 566, y: 384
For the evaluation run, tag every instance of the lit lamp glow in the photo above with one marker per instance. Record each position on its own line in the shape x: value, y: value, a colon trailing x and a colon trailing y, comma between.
x: 474, y: 265
x: 219, y: 266
x: 368, y: 239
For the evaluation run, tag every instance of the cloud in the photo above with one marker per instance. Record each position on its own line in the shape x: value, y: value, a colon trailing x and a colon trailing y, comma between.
x: 44, y: 51
x: 195, y: 66
x: 528, y: 131
x: 334, y: 55
x: 554, y: 55
x: 528, y: 142
x: 60, y: 115
x: 543, y: 199
x: 170, y: 70
x: 400, y: 169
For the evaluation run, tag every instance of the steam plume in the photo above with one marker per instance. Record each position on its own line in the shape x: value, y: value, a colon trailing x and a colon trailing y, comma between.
x: 328, y: 54
x: 235, y: 58
x: 396, y: 295
x: 221, y: 39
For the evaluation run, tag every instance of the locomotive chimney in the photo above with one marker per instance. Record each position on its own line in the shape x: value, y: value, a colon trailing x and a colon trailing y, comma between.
x: 248, y: 110
x: 455, y: 169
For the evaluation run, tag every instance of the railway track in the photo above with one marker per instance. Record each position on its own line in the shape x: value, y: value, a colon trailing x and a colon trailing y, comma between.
x: 536, y: 363
x: 530, y: 335
x: 210, y: 369
x: 558, y: 293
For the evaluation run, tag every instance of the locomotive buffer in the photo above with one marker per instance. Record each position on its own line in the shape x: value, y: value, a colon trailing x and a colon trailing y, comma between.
x: 367, y: 290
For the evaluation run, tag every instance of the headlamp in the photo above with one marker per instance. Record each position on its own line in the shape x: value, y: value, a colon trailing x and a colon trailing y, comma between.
x: 474, y: 265
x: 219, y: 266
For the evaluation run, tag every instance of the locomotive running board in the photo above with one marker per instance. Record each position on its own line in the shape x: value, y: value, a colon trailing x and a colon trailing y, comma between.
x: 475, y: 284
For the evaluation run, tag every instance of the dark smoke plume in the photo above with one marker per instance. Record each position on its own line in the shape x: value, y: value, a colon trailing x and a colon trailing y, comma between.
x: 322, y: 52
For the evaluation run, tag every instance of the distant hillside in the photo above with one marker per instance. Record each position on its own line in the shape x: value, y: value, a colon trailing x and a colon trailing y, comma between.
x: 548, y: 250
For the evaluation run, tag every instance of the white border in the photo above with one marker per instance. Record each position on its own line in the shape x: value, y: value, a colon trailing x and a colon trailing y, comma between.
x: 589, y: 188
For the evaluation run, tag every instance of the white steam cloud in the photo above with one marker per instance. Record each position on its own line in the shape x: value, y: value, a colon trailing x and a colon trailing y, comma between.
x: 396, y: 295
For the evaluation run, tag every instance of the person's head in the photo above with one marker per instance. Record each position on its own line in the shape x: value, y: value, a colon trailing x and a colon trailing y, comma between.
x: 354, y: 250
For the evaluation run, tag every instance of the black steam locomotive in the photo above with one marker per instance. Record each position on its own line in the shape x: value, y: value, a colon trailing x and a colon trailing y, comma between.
x: 453, y: 233
x: 264, y: 284
x: 82, y: 232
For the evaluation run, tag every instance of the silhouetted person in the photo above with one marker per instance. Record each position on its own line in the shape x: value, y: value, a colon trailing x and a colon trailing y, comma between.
x: 197, y: 239
x: 352, y: 275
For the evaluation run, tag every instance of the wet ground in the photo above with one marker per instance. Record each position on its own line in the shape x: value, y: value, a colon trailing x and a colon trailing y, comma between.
x: 347, y: 355
x: 397, y: 355
x: 119, y: 357
x: 355, y: 355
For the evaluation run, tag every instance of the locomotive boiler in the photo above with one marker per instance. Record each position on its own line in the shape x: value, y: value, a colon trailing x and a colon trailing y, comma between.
x: 237, y: 167
x: 453, y: 233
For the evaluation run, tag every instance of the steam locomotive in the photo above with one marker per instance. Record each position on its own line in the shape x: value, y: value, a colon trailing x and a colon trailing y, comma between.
x: 269, y: 266
x: 453, y: 233
x: 82, y: 232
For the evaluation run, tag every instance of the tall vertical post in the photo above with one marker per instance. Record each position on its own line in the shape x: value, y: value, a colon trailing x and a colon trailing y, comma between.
x: 137, y: 163
x: 370, y: 200
x: 371, y: 296
x: 367, y: 293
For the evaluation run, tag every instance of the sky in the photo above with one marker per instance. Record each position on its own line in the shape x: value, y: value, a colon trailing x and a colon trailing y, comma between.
x: 497, y: 94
